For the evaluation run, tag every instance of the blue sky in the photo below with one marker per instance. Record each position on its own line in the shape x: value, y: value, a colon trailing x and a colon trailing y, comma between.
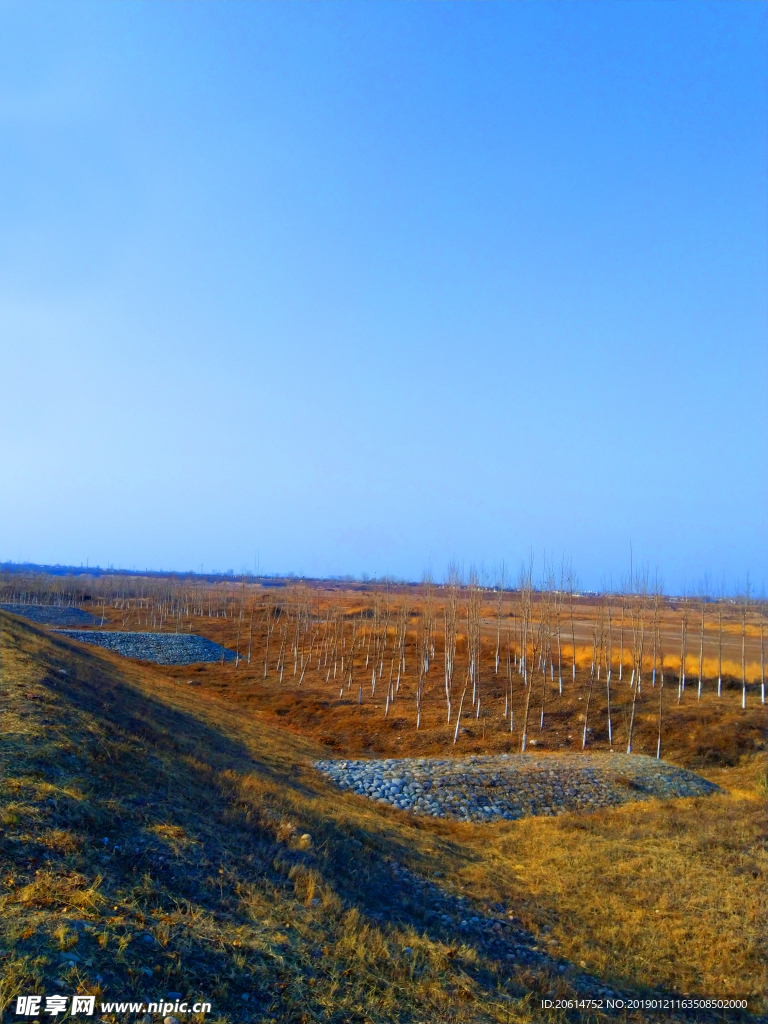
x: 365, y: 287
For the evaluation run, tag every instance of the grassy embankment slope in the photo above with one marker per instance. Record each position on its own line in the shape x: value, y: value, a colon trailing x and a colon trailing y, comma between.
x: 205, y: 886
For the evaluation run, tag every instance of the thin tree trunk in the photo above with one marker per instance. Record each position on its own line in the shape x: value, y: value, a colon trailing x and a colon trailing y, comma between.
x: 762, y: 661
x: 621, y: 647
x: 701, y: 650
x: 589, y: 698
x: 458, y: 716
x: 744, y: 654
x: 661, y: 711
x: 719, y: 648
x: 609, y: 660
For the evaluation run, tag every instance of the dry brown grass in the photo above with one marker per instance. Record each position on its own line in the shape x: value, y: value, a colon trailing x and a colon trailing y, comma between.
x: 208, y: 804
x: 668, y: 893
x: 208, y: 851
x: 705, y: 733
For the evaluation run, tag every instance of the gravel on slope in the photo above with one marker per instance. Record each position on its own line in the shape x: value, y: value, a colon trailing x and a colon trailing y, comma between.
x: 162, y: 648
x: 52, y: 615
x: 484, y: 788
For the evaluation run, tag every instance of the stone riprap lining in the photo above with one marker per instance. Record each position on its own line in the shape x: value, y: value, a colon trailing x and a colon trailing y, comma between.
x: 52, y: 615
x: 513, y: 786
x: 162, y: 648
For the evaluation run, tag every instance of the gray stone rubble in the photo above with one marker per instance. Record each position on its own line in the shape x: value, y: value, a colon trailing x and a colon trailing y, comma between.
x: 483, y: 788
x: 53, y: 615
x: 161, y: 648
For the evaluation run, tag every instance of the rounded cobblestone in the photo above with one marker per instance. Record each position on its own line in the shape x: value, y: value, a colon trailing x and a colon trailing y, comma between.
x: 511, y: 786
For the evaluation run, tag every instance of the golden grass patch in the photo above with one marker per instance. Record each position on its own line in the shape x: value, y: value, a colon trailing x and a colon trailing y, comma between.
x: 657, y: 893
x: 57, y: 891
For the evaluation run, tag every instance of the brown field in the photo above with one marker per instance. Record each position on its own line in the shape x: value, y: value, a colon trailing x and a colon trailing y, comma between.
x: 711, y: 731
x: 206, y: 791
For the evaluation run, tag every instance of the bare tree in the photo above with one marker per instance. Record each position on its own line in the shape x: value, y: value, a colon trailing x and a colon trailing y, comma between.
x: 536, y: 637
x: 571, y: 587
x: 282, y: 620
x: 239, y: 625
x: 638, y: 639
x: 473, y: 636
x: 744, y: 614
x: 310, y: 629
x: 501, y: 580
x: 656, y: 614
x: 609, y: 664
x: 424, y: 645
x: 720, y: 644
x: 621, y: 634
x: 250, y: 633
x: 559, y: 625
x: 508, y: 688
x: 762, y: 654
x: 402, y: 636
x: 526, y: 591
x: 461, y: 705
x: 661, y: 688
x: 703, y: 598
x: 683, y: 636
x: 545, y: 613
x: 596, y: 646
x: 270, y: 625
x: 451, y: 620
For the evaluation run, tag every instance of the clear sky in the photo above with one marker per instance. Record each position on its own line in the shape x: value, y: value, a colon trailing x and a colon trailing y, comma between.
x: 364, y: 287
